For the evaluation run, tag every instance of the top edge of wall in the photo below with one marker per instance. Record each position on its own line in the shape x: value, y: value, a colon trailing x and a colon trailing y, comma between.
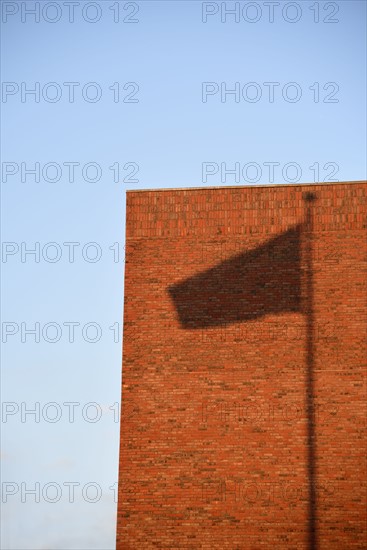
x: 205, y: 188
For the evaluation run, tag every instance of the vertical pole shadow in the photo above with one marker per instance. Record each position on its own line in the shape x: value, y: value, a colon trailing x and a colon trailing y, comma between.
x: 310, y: 383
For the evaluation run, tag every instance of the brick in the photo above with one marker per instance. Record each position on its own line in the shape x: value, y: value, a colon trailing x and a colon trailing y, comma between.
x: 216, y: 424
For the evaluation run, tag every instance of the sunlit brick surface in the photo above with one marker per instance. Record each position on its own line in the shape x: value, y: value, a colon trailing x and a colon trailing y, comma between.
x: 215, y: 412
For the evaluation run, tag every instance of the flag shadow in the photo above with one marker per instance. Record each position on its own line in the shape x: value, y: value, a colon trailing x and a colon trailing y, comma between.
x: 266, y: 280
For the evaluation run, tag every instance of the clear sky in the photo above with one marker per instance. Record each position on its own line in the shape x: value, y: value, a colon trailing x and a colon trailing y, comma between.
x: 135, y: 95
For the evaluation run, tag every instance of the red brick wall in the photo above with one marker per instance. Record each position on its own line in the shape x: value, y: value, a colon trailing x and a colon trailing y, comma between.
x: 219, y: 412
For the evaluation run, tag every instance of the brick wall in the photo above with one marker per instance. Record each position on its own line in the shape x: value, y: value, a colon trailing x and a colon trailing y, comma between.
x: 243, y: 387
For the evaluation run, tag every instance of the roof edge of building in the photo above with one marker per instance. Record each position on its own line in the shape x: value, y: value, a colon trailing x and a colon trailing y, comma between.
x: 205, y: 188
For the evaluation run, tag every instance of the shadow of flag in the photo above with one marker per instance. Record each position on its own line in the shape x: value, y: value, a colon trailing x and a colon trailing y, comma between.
x: 262, y: 281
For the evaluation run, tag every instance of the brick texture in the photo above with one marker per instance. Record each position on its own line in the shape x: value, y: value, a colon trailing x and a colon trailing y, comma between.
x: 244, y: 369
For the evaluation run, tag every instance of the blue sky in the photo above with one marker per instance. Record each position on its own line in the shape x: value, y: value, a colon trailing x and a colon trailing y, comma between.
x: 164, y: 118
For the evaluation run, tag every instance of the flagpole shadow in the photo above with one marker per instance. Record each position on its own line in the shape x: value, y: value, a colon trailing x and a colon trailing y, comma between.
x: 263, y: 281
x: 310, y: 198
